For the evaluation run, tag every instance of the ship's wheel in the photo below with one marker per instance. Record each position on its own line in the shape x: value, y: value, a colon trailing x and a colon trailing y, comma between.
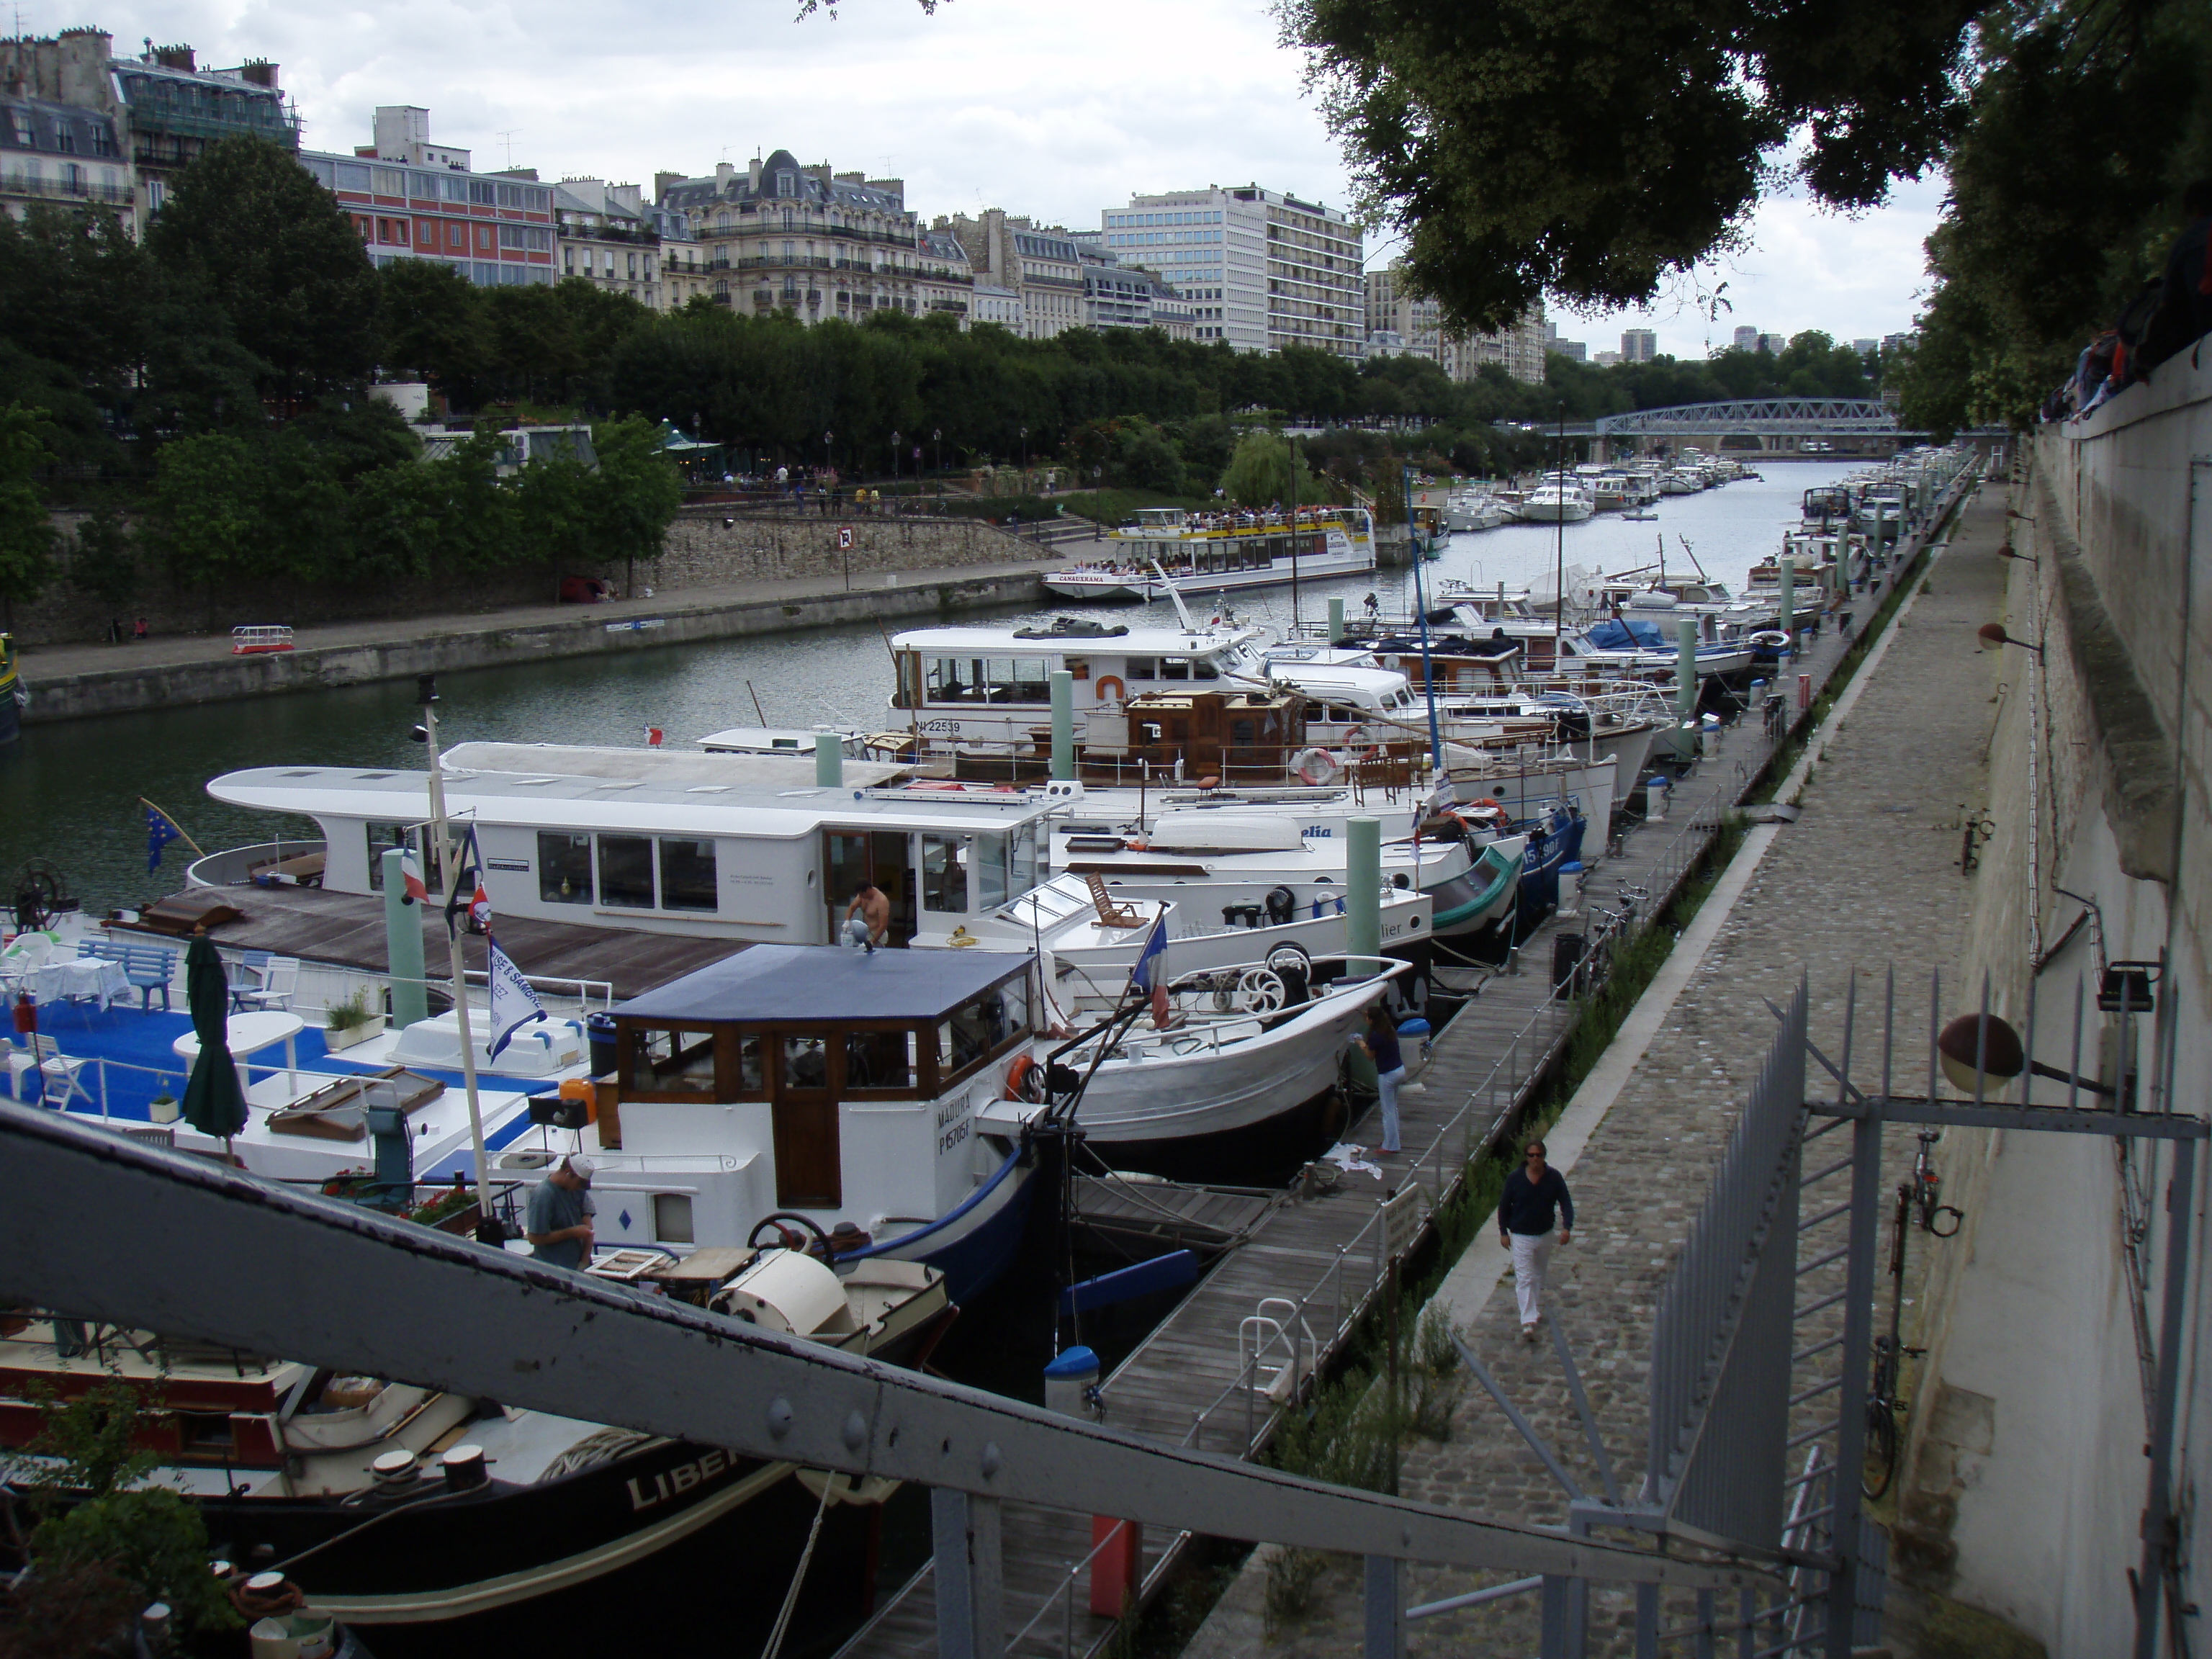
x: 41, y: 895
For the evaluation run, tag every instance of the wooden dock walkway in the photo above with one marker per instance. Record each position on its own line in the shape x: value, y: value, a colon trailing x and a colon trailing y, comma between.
x: 1193, y: 1380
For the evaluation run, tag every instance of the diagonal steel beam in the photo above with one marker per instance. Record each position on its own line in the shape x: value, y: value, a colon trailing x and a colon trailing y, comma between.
x: 102, y: 1227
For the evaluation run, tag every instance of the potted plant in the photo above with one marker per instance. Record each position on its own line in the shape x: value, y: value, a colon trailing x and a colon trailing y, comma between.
x: 350, y: 1022
x: 163, y: 1107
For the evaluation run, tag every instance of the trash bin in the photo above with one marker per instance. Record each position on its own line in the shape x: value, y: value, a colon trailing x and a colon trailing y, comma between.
x: 1566, y: 955
x: 599, y: 1031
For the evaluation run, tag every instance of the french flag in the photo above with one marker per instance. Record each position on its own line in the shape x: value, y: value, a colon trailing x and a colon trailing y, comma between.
x: 410, y: 877
x: 1150, y: 973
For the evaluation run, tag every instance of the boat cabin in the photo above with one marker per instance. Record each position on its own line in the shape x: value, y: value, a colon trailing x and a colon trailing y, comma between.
x: 1226, y: 543
x: 838, y: 1078
x: 738, y: 847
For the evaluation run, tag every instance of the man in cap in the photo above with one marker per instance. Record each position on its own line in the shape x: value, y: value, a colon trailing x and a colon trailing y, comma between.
x: 558, y: 1223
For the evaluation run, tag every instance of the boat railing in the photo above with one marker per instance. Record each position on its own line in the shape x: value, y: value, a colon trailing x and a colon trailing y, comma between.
x: 240, y: 866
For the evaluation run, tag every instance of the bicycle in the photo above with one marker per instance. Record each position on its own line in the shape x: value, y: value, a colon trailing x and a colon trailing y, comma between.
x: 1883, y: 1404
x: 1928, y: 1191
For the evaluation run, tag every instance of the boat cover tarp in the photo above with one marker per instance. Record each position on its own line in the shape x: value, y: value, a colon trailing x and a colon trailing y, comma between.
x: 1625, y: 634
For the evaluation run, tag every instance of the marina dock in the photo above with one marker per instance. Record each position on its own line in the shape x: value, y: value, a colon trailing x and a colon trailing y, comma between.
x: 1311, y: 1268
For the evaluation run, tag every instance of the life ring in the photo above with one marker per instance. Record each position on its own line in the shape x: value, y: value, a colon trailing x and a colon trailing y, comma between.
x: 1109, y: 688
x: 1023, y: 1080
x: 1315, y: 766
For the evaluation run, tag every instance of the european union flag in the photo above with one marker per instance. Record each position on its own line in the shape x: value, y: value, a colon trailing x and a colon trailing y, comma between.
x: 160, y: 832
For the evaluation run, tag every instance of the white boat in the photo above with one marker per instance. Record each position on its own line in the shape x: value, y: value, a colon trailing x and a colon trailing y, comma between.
x: 1467, y: 510
x: 1554, y: 503
x: 1166, y: 549
x: 1240, y: 1083
x: 796, y: 743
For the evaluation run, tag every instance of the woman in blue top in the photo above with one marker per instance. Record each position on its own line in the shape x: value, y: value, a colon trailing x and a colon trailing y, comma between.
x: 1381, y: 1042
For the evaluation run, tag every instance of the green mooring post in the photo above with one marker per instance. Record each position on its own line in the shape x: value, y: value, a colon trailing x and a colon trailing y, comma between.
x: 1063, y: 723
x: 828, y: 760
x: 1335, y: 620
x: 1786, y: 567
x: 1362, y: 889
x: 1686, y: 688
x: 403, y: 944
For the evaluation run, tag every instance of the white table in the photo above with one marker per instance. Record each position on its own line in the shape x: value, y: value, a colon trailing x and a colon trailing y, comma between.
x: 89, y: 979
x: 247, y: 1034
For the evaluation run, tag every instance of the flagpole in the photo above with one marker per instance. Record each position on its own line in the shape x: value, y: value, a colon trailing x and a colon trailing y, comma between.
x: 172, y: 824
x: 427, y: 692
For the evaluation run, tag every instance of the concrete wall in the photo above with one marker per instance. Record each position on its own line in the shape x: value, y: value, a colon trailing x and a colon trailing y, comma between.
x: 700, y: 552
x: 2027, y: 1474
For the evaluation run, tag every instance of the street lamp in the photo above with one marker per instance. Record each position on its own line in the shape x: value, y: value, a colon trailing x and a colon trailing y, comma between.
x: 894, y: 460
x: 937, y: 448
x: 1025, y: 458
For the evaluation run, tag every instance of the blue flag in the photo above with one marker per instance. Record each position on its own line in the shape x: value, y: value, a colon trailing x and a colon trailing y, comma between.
x: 160, y: 832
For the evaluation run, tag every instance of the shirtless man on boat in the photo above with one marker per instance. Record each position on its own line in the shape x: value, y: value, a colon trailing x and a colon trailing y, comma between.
x: 874, y: 911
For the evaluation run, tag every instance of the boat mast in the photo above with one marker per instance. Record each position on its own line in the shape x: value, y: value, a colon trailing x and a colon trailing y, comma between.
x: 1421, y: 606
x: 1293, y: 444
x: 426, y: 688
x: 1559, y: 517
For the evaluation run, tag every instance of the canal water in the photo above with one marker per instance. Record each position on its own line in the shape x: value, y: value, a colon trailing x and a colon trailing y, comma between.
x: 73, y: 788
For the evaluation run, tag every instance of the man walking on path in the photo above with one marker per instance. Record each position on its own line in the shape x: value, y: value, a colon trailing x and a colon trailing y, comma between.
x: 1532, y: 1193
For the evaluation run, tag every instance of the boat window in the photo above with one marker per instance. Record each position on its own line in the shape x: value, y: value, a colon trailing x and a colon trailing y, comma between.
x: 1205, y: 669
x: 1022, y: 867
x: 671, y: 1218
x: 1175, y: 668
x: 955, y: 679
x: 880, y: 1060
x: 1141, y: 668
x: 565, y: 868
x: 751, y: 1080
x: 687, y: 875
x: 384, y: 837
x: 1016, y: 679
x: 668, y: 1060
x: 991, y: 872
x: 806, y: 1063
x: 944, y: 875
x: 1014, y: 1006
x: 969, y: 1035
x: 626, y: 871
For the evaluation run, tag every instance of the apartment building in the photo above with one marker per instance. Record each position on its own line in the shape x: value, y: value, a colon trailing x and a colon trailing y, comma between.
x: 993, y: 304
x: 1399, y: 324
x: 1041, y: 266
x: 604, y: 236
x: 81, y: 126
x: 1260, y: 269
x: 412, y: 200
x: 776, y: 236
x: 1638, y: 346
x: 1519, y: 350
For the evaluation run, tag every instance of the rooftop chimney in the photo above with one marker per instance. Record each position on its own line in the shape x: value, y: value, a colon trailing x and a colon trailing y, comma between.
x: 175, y: 57
x: 259, y: 73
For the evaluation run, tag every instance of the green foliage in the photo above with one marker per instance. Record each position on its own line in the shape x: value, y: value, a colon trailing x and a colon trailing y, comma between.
x: 1261, y: 472
x: 99, y: 1524
x: 249, y: 227
x: 104, y: 563
x: 1525, y: 147
x: 26, y: 539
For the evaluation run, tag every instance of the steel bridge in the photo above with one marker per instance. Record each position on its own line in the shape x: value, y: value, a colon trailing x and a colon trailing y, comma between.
x: 1779, y: 417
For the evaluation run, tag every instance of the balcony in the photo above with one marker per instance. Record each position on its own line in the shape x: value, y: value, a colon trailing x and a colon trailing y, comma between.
x: 55, y: 190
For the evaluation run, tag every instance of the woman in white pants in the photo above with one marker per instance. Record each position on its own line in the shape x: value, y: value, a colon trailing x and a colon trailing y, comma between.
x: 1525, y: 1209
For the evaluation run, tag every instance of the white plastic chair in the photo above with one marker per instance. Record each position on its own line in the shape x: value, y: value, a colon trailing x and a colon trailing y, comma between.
x: 18, y: 1062
x: 24, y: 953
x: 55, y: 1066
x: 279, y: 983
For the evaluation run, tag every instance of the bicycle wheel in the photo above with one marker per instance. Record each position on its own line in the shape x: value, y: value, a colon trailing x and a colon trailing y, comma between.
x: 1881, y: 1450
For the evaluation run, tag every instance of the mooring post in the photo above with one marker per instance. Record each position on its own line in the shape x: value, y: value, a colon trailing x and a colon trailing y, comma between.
x: 1335, y: 620
x: 829, y: 761
x: 403, y: 944
x: 1063, y: 723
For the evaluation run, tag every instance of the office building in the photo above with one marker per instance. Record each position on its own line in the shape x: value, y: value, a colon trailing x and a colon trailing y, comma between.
x: 1774, y: 345
x: 1866, y: 348
x: 1746, y: 339
x: 1607, y: 359
x: 422, y: 202
x: 1637, y: 345
x: 1260, y: 269
x: 775, y: 235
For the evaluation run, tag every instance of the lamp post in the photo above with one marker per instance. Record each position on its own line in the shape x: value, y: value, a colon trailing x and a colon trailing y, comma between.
x: 895, y: 462
x: 1025, y: 458
x: 937, y: 449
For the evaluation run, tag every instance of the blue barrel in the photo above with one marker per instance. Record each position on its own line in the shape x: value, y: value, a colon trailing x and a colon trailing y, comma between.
x: 599, y: 1031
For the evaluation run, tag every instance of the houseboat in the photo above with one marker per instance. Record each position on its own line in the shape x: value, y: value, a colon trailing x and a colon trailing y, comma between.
x: 1168, y: 550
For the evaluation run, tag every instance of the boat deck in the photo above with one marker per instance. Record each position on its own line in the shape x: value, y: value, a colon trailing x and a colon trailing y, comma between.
x: 1186, y: 1382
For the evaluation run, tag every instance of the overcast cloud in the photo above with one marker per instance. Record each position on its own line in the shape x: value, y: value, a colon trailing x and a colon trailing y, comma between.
x: 1054, y: 110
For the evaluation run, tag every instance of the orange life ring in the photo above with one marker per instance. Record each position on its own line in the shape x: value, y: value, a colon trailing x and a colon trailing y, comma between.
x: 1017, y: 1077
x: 1109, y: 688
x: 1485, y: 805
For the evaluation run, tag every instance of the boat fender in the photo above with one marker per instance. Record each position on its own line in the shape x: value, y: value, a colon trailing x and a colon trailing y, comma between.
x: 1108, y: 688
x: 1316, y: 766
x: 1023, y: 1080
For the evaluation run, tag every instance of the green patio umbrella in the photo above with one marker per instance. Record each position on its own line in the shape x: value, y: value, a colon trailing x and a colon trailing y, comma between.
x: 214, y: 1104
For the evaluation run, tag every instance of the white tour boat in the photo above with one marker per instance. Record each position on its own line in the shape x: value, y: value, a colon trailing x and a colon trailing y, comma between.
x: 1165, y: 549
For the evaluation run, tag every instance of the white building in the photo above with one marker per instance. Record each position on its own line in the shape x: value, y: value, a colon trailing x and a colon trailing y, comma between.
x: 1519, y: 350
x: 1637, y: 345
x: 1260, y: 269
x: 1040, y: 264
x: 1414, y: 323
x: 604, y: 236
x: 993, y: 304
x: 1746, y: 339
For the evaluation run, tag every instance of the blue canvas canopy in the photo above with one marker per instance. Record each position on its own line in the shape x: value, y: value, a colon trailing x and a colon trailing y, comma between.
x: 1622, y: 635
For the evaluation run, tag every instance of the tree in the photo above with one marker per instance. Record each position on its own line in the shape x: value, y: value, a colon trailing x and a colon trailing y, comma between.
x: 1589, y: 150
x: 1259, y: 473
x: 206, y: 512
x: 26, y: 539
x: 104, y: 564
x: 251, y: 228
x: 635, y: 493
x: 431, y: 326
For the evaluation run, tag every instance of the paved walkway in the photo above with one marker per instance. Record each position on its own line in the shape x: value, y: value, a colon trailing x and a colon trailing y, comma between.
x: 51, y: 662
x: 1868, y: 876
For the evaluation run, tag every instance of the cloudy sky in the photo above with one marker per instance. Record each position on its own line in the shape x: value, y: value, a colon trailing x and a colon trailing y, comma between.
x: 1053, y: 109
